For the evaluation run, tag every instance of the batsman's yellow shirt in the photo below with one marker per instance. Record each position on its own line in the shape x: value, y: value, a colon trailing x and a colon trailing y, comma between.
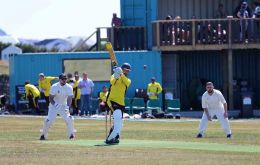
x: 46, y: 84
x: 103, y: 96
x: 31, y: 90
x: 118, y: 89
x: 76, y: 90
x: 153, y: 90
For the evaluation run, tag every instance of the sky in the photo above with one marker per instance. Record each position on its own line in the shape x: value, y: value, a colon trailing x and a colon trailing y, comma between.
x: 41, y: 19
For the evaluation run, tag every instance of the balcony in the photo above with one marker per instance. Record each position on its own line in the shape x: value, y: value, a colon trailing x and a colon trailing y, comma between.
x: 206, y: 34
x: 123, y: 38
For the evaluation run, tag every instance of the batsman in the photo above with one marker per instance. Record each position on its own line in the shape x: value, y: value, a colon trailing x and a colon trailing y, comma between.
x: 119, y: 83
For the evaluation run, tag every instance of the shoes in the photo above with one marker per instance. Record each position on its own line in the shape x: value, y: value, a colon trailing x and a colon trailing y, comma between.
x: 199, y: 135
x: 229, y: 136
x: 71, y: 137
x: 42, y: 137
x: 112, y: 141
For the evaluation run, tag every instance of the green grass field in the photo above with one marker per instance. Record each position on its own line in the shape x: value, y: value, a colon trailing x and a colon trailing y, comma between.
x: 170, y: 142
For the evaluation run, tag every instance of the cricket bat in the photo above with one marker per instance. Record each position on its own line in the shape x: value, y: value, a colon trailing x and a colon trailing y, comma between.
x: 112, y: 55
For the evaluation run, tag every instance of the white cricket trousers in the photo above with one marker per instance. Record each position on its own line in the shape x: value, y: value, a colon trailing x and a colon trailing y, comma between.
x: 220, y: 115
x: 118, y: 124
x: 52, y: 113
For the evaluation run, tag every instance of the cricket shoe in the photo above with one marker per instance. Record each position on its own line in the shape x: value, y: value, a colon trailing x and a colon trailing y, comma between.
x: 42, y: 137
x: 229, y: 136
x: 199, y: 135
x: 72, y: 137
x: 112, y: 141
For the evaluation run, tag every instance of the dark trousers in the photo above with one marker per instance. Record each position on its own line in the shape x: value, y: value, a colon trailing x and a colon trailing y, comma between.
x: 85, y: 105
x: 33, y: 104
x: 75, y: 106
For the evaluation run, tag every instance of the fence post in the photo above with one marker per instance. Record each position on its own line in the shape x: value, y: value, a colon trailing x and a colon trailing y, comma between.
x: 193, y: 33
x: 158, y: 40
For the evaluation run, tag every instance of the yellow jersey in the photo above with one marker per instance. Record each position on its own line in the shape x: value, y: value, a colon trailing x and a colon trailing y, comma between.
x: 103, y: 96
x: 46, y: 85
x: 153, y: 90
x: 76, y: 90
x: 118, y: 89
x: 31, y: 90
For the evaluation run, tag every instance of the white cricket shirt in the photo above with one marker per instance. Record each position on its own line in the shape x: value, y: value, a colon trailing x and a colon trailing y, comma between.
x: 61, y: 93
x: 214, y: 101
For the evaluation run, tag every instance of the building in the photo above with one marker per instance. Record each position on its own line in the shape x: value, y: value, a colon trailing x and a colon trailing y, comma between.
x: 192, y: 48
x: 10, y: 50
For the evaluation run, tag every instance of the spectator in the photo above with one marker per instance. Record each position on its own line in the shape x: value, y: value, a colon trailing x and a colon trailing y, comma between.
x: 86, y: 88
x: 221, y: 13
x: 256, y: 14
x: 243, y: 13
x: 117, y: 32
x: 45, y: 86
x: 239, y: 7
x: 70, y: 79
x: 32, y: 94
x: 154, y: 89
x: 116, y: 21
x: 103, y: 98
x: 76, y: 95
x: 167, y: 30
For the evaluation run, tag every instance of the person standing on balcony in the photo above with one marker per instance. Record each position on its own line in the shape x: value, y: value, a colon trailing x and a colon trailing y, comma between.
x: 242, y: 14
x: 256, y: 14
x: 116, y: 23
x: 167, y: 31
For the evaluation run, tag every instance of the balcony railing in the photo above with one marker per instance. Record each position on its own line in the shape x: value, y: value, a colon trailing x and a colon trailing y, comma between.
x: 201, y: 34
x: 123, y: 38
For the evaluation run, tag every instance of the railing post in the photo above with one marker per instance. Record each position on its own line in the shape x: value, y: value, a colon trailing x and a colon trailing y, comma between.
x: 193, y: 33
x: 229, y: 32
x: 98, y: 39
x: 158, y: 40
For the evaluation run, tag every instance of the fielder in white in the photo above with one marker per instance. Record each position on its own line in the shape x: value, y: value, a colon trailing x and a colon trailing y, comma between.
x: 214, y: 103
x: 60, y: 100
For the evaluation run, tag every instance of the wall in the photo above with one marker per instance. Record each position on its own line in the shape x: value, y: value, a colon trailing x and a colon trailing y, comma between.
x: 27, y: 67
x: 139, y: 13
x: 187, y: 72
x: 202, y: 9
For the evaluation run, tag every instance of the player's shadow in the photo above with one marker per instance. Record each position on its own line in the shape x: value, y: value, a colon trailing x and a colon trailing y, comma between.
x: 104, y: 145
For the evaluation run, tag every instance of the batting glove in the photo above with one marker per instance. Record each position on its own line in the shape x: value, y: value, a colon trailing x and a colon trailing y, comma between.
x: 118, y: 70
x: 116, y: 75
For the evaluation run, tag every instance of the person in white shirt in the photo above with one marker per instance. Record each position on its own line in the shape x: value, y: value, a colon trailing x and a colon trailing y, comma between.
x: 214, y: 103
x: 61, y: 95
x: 86, y: 88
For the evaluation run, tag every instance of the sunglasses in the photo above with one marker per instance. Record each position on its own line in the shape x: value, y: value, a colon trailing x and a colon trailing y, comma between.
x: 64, y: 79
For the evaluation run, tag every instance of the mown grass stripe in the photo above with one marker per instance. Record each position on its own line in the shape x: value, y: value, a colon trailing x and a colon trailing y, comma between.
x: 166, y: 144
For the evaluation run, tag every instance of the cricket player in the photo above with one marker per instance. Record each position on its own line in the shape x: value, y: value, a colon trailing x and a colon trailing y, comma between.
x: 115, y: 100
x: 103, y: 98
x: 45, y: 85
x: 61, y: 95
x: 154, y: 89
x: 214, y: 103
x: 32, y: 94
